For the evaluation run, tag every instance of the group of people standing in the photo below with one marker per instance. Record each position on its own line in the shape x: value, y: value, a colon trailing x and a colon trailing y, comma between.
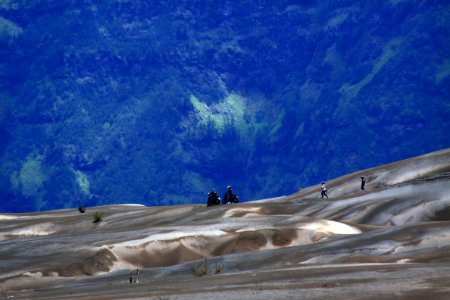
x: 324, y: 187
x: 229, y: 197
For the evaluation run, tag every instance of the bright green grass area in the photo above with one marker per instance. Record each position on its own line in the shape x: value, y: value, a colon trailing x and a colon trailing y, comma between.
x: 229, y: 111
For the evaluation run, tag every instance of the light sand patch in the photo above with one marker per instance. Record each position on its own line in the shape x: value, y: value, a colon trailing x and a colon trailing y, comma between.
x: 383, y: 194
x: 34, y: 230
x: 243, y: 211
x: 413, y: 173
x: 331, y: 227
x: 33, y: 274
x: 269, y: 199
x: 8, y: 217
x: 194, y: 232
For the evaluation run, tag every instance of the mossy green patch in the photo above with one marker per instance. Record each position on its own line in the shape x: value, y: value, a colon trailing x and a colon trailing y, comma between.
x: 230, y: 111
x: 202, y: 108
x: 336, y: 21
x: 277, y: 124
x: 9, y: 29
x: 234, y: 106
x: 83, y: 182
x: 31, y: 176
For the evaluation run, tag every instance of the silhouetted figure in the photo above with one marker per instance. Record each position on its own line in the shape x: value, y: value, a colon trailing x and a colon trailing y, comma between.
x: 324, y: 190
x: 363, y: 183
x: 137, y: 276
x: 213, y: 198
x: 131, y: 277
x: 229, y: 197
x: 81, y: 209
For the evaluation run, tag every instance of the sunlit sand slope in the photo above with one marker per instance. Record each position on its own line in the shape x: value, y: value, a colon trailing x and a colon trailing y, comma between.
x: 391, y: 240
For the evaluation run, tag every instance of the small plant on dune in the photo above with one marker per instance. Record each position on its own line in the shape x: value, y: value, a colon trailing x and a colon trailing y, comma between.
x: 218, y: 268
x: 202, y: 268
x: 98, y: 217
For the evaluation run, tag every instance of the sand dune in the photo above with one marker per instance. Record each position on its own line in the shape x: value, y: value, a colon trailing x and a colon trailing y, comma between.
x: 390, y: 241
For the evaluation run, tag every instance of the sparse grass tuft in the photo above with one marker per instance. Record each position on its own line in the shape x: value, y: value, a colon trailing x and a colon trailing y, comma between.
x: 202, y: 268
x: 98, y: 217
x: 218, y: 268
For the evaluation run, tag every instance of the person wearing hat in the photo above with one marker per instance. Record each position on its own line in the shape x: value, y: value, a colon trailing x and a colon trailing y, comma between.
x: 324, y: 190
x: 229, y: 197
x: 363, y: 183
x: 213, y: 198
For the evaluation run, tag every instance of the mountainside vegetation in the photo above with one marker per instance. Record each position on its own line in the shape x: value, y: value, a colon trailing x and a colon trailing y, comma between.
x: 158, y: 102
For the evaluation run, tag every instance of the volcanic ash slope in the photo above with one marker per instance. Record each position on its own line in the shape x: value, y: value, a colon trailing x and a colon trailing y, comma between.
x: 391, y: 240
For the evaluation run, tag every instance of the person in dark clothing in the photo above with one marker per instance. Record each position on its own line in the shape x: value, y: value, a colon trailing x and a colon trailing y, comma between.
x: 213, y: 198
x: 363, y: 183
x: 324, y: 190
x: 229, y: 197
x: 81, y: 208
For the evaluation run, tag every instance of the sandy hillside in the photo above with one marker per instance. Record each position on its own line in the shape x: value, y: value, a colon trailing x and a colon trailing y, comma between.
x: 391, y: 241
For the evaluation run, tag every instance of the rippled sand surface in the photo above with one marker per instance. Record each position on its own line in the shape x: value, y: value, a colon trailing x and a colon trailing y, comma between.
x: 391, y: 241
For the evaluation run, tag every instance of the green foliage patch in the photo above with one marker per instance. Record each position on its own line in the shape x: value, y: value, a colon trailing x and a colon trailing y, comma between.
x: 9, y: 29
x: 83, y: 182
x: 31, y: 176
x: 98, y: 217
x: 229, y: 112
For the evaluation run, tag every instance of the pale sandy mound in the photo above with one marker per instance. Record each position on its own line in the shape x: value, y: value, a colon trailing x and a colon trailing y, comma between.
x: 375, y: 243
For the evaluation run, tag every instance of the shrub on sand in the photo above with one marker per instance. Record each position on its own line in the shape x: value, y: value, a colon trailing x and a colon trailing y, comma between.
x: 202, y: 268
x: 98, y: 217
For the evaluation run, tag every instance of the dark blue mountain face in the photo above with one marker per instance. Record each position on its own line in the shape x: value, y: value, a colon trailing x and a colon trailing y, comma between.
x: 157, y: 102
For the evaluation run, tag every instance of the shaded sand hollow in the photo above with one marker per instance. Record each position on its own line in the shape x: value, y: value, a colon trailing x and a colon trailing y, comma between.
x: 391, y: 241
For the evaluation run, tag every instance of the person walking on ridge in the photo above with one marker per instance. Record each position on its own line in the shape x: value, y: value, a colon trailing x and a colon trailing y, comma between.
x: 324, y: 190
x: 363, y: 183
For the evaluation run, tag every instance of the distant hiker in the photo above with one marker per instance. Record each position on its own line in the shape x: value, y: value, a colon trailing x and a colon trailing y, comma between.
x: 363, y: 183
x: 137, y: 276
x: 229, y: 197
x: 324, y: 190
x: 131, y: 277
x: 213, y: 198
x: 81, y: 208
